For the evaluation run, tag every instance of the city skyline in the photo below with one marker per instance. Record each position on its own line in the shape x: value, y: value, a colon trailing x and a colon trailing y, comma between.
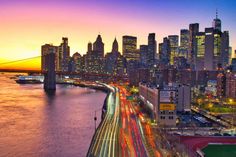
x: 28, y: 25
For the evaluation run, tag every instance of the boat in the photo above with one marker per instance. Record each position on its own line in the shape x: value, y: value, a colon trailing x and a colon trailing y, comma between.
x: 30, y: 79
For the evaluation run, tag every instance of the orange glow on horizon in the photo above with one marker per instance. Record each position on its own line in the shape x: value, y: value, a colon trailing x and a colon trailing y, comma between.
x: 25, y: 28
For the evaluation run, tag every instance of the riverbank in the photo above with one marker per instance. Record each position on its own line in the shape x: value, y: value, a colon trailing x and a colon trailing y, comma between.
x: 101, y: 87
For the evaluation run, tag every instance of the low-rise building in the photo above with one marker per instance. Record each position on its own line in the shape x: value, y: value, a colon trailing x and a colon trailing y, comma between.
x: 231, y: 85
x: 184, y: 98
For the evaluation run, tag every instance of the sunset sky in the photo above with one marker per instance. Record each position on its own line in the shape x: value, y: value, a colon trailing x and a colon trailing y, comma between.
x: 26, y: 25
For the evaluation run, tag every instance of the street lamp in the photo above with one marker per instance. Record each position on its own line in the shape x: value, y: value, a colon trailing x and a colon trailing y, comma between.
x: 95, y: 118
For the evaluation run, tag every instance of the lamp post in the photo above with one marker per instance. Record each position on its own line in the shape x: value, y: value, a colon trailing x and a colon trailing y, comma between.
x: 95, y: 118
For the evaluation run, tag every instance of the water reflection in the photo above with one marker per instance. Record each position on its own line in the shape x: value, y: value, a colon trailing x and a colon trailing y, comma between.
x: 37, y: 123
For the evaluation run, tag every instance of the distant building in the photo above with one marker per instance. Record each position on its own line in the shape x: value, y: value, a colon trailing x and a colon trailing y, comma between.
x: 114, y: 61
x: 221, y: 85
x: 149, y: 95
x: 174, y: 45
x: 233, y: 65
x: 193, y: 30
x: 45, y: 50
x: 64, y: 55
x: 184, y: 98
x: 74, y: 62
x: 225, y: 50
x: 130, y: 48
x: 95, y: 56
x: 216, y: 24
x: 164, y: 51
x: 230, y: 85
x: 181, y: 63
x: 98, y: 47
x: 143, y: 55
x: 200, y: 51
x: 161, y: 101
x: 167, y: 103
x: 212, y: 49
x: 152, y: 49
x: 48, y: 66
x: 184, y: 43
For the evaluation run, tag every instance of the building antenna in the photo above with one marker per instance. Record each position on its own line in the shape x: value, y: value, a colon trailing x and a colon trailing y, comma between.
x: 216, y: 13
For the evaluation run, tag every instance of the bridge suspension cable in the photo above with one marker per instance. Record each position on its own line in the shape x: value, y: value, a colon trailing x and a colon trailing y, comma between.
x: 25, y: 59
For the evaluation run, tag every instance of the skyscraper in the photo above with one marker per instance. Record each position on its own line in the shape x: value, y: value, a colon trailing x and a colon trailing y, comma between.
x: 209, y: 49
x: 98, y: 46
x: 97, y: 56
x: 114, y: 61
x: 143, y: 55
x: 200, y: 39
x: 64, y: 55
x: 88, y: 57
x: 48, y: 66
x: 193, y: 30
x: 130, y: 48
x: 225, y: 54
x: 174, y: 45
x: 115, y: 46
x: 45, y: 50
x: 216, y: 24
x: 164, y: 51
x: 184, y: 43
x: 152, y: 48
x: 230, y: 85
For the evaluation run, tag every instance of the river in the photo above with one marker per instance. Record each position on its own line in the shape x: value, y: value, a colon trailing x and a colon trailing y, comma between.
x: 35, y: 124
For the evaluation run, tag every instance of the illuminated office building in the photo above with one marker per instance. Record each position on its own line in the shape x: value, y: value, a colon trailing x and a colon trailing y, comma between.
x: 130, y: 51
x: 212, y: 49
x: 45, y: 50
x: 152, y: 48
x: 114, y: 61
x: 164, y: 51
x: 216, y: 24
x: 193, y: 30
x: 174, y: 45
x: 184, y: 43
x: 95, y: 56
x: 200, y: 39
x: 64, y: 55
x: 225, y: 49
x: 143, y: 55
x: 98, y: 46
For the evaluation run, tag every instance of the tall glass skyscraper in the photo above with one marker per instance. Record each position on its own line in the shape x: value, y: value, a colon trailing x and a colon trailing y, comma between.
x: 184, y: 43
x: 152, y: 48
x: 200, y: 39
x: 193, y: 30
x: 130, y: 48
x: 174, y: 45
x: 216, y: 24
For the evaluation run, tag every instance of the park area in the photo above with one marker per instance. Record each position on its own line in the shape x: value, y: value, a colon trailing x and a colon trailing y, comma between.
x: 219, y: 150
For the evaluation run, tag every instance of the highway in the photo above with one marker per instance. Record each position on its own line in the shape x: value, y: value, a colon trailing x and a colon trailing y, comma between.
x: 123, y: 132
x: 105, y: 142
x: 134, y: 140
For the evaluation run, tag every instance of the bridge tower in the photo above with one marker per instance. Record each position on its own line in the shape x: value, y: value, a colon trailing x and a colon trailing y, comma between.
x: 48, y: 62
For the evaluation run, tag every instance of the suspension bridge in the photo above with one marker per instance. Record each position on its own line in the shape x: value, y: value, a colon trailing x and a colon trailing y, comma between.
x: 27, y: 65
x: 33, y: 65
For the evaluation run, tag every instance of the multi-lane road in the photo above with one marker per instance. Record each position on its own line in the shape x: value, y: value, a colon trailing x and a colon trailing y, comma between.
x: 105, y: 142
x: 123, y: 131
